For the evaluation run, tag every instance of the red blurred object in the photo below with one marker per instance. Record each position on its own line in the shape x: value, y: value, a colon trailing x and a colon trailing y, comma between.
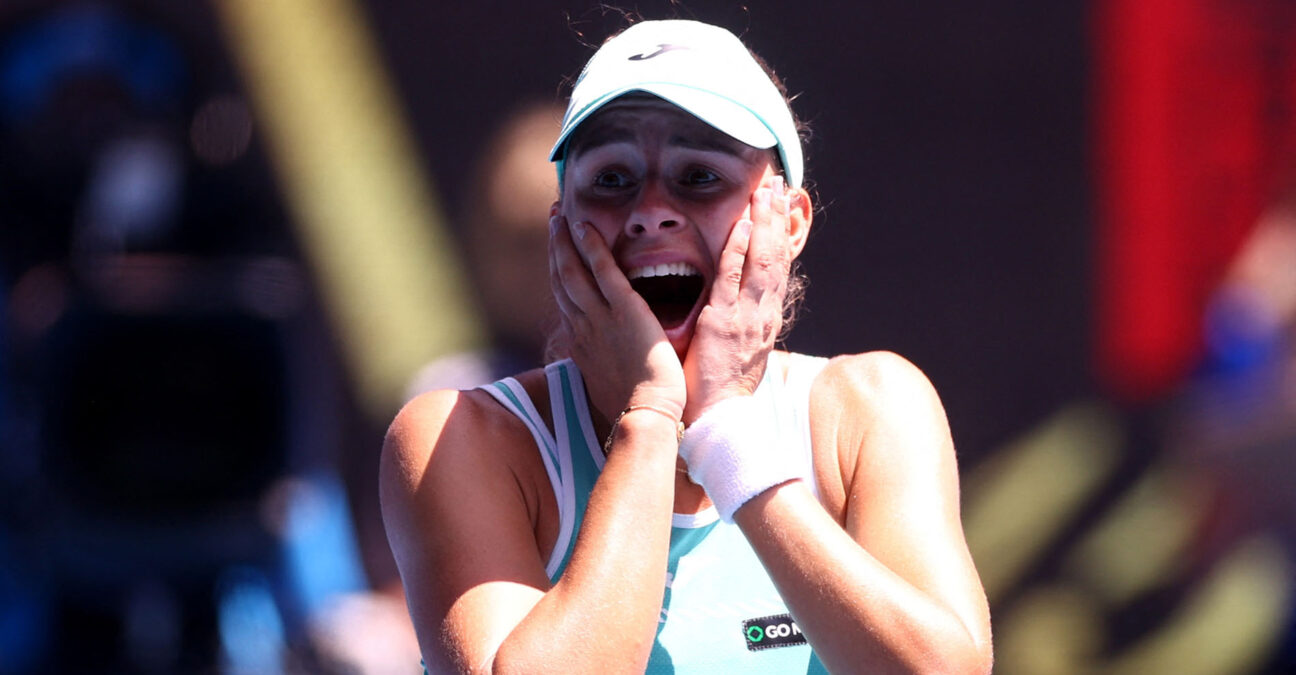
x: 1194, y: 132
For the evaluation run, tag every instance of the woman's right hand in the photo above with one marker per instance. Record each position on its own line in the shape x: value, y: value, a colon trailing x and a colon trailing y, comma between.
x: 613, y: 335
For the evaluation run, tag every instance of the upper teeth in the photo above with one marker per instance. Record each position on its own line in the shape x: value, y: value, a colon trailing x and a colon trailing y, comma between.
x: 679, y: 269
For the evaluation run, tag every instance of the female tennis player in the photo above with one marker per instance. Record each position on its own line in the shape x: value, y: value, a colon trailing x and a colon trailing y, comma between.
x: 678, y: 495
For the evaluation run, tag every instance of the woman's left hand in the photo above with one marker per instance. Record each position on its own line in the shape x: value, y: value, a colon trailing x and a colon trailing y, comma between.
x: 737, y: 328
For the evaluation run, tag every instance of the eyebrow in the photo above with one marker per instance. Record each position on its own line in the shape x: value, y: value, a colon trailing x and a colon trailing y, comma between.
x: 724, y: 145
x: 610, y: 134
x: 600, y: 135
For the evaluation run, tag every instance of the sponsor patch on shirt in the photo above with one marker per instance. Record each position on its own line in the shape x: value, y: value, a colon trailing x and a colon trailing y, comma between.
x: 768, y: 632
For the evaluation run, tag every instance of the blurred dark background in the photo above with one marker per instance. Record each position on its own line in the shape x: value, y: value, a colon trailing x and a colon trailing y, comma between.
x: 193, y: 396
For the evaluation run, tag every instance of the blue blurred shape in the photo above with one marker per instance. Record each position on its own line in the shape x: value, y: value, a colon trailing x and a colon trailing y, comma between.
x: 86, y: 39
x: 251, y: 628
x: 320, y: 543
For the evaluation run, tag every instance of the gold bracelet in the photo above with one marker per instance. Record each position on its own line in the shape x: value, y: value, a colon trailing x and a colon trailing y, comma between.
x: 679, y: 424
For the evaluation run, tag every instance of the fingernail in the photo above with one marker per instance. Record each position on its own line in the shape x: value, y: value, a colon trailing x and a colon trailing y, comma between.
x: 745, y: 226
x: 764, y: 196
x: 579, y: 230
x: 553, y: 225
x: 779, y: 187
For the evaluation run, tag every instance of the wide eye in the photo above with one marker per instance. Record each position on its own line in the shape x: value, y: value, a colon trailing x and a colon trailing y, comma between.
x: 699, y: 176
x: 611, y: 179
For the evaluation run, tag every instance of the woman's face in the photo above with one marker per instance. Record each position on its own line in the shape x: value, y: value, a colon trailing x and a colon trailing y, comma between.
x: 664, y: 189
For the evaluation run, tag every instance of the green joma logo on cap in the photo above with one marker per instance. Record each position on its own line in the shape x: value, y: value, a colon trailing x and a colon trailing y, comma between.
x: 755, y: 634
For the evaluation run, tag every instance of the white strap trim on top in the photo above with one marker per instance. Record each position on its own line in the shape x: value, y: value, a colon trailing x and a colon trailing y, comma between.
x: 802, y: 371
x: 695, y: 520
x: 566, y: 496
x: 583, y: 407
x: 546, y: 446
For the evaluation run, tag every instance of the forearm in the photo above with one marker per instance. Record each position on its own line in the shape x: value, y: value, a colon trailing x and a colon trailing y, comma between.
x: 859, y: 615
x: 601, y: 616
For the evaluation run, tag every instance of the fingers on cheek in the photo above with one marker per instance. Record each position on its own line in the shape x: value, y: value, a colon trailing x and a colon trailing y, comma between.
x: 602, y: 266
x: 781, y: 203
x: 735, y: 251
x: 577, y: 234
x: 569, y: 265
x: 568, y: 269
x: 765, y: 266
x: 786, y: 215
x: 760, y: 206
x: 556, y: 286
x: 559, y: 249
x: 591, y: 249
x: 740, y: 237
x: 566, y: 276
x: 734, y: 275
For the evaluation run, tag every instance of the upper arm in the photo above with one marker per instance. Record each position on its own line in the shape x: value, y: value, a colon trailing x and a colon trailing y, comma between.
x: 459, y: 526
x: 900, y: 477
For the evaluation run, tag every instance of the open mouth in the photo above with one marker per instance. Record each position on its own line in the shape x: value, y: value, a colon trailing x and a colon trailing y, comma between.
x: 671, y: 290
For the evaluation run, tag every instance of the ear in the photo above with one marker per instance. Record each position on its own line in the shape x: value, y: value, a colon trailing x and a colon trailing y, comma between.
x: 800, y: 217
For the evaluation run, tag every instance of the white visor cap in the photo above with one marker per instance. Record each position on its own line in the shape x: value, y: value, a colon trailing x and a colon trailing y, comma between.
x: 704, y: 69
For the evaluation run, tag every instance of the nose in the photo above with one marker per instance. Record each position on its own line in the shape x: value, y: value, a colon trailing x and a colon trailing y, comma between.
x: 653, y: 212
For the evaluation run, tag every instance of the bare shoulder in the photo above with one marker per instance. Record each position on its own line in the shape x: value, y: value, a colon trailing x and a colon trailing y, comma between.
x: 414, y: 433
x: 447, y: 450
x: 872, y: 384
x: 449, y: 424
x: 436, y: 422
x: 876, y: 420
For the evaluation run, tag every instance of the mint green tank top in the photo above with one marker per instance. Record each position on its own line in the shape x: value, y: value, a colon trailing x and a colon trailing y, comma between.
x: 721, y: 612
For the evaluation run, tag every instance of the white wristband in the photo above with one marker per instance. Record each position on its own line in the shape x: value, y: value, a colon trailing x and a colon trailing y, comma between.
x: 731, y: 451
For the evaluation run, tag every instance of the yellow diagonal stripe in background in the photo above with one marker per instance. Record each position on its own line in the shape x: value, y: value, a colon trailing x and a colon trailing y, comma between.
x: 1143, y: 539
x: 345, y: 158
x: 1230, y: 623
x: 1016, y: 501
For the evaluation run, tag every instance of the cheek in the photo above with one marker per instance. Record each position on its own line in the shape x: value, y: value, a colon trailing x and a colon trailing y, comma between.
x: 716, y: 237
x: 722, y: 220
x: 605, y: 220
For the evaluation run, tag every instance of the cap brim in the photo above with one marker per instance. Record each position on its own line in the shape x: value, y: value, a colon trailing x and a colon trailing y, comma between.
x: 725, y: 115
